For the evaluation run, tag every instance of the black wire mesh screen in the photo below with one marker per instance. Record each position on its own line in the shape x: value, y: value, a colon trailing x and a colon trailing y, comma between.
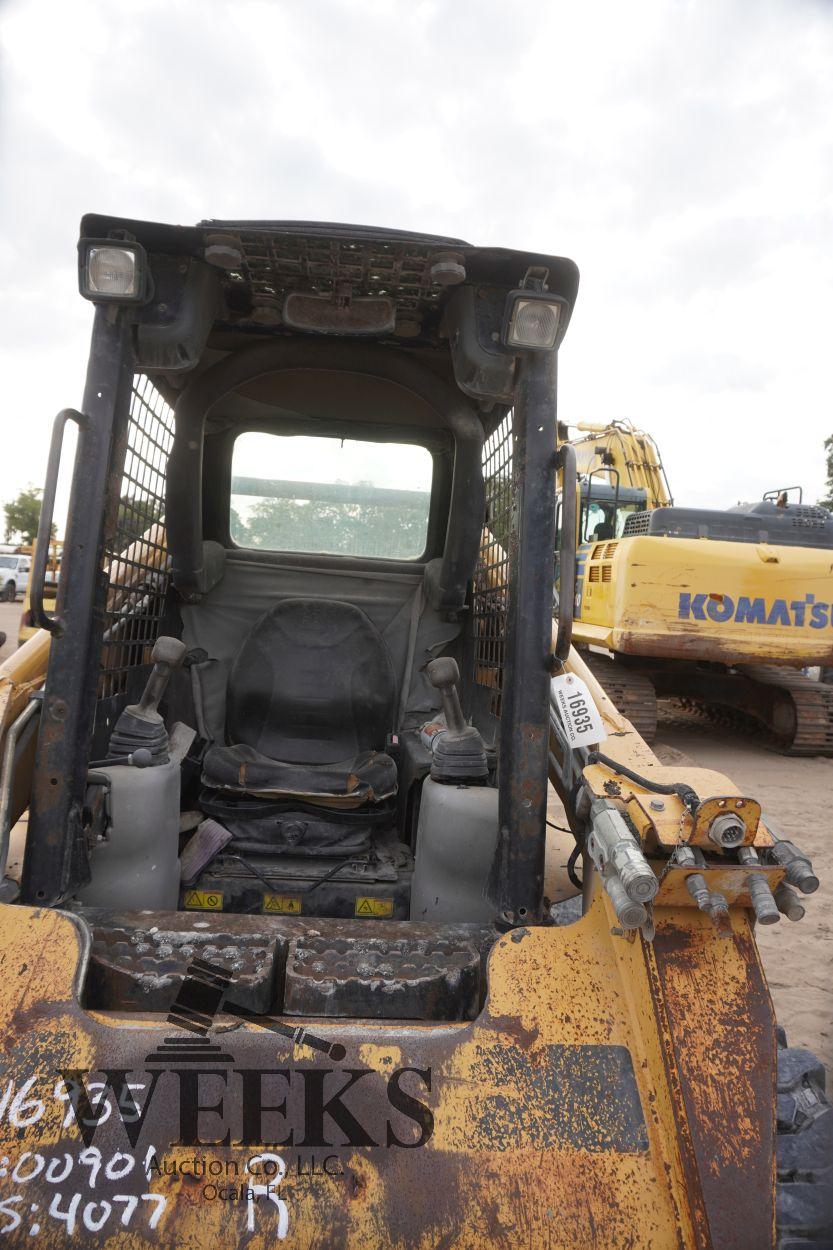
x: 136, y: 560
x: 491, y: 587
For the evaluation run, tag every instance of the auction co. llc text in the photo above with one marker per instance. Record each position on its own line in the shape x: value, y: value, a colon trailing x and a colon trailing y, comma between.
x: 260, y: 1168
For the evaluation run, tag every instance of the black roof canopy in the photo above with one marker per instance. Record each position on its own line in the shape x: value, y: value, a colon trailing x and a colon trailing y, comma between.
x: 260, y: 262
x: 218, y: 284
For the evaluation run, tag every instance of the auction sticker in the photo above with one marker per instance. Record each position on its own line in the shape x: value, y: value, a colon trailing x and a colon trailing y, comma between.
x: 579, y: 716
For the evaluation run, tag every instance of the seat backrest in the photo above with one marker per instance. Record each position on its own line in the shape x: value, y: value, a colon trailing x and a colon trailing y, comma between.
x: 313, y: 683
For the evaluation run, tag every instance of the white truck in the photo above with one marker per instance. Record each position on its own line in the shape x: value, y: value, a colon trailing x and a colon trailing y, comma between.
x: 15, y: 571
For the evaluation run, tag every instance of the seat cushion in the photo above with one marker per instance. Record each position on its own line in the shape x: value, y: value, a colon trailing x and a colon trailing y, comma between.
x: 312, y: 684
x: 368, y: 777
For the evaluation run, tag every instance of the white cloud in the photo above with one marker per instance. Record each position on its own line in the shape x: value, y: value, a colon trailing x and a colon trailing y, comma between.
x: 680, y: 152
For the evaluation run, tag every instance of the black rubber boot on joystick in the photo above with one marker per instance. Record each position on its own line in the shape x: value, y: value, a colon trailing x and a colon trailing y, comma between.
x: 140, y: 726
x: 459, y: 754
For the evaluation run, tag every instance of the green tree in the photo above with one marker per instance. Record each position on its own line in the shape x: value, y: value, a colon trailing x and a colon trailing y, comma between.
x: 368, y: 529
x: 23, y: 514
x: 827, y: 502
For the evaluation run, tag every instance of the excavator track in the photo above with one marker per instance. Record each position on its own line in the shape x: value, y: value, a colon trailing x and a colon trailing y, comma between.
x: 794, y: 712
x: 632, y: 693
x: 806, y: 703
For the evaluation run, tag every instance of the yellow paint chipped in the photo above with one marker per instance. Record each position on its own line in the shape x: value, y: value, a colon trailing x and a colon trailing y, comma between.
x: 381, y: 1058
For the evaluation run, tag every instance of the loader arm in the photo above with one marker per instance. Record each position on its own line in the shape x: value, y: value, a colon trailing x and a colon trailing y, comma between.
x: 701, y: 1012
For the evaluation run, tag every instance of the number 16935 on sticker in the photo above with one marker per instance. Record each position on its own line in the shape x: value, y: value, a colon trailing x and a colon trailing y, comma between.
x: 579, y: 716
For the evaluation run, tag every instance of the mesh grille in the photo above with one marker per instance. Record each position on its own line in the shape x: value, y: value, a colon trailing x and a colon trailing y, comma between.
x: 136, y: 564
x: 274, y: 264
x: 637, y: 523
x: 491, y: 589
x: 806, y: 516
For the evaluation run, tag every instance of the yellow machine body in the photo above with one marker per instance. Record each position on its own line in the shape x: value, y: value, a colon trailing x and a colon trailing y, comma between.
x: 695, y: 610
x: 681, y: 598
x: 587, y: 1105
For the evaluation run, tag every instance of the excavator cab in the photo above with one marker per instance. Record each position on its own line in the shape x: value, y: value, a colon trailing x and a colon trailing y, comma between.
x: 605, y: 510
x: 283, y: 961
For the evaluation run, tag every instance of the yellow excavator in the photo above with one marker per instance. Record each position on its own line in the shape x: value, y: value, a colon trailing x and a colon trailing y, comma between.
x: 718, y: 608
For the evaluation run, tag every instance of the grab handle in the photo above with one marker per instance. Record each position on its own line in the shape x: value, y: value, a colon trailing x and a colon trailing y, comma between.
x: 566, y: 463
x: 40, y: 617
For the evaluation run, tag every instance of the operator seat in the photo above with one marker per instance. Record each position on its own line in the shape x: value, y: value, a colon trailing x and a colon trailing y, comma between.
x: 311, y: 699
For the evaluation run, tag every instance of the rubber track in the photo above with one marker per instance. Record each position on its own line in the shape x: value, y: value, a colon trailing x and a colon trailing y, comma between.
x: 632, y: 693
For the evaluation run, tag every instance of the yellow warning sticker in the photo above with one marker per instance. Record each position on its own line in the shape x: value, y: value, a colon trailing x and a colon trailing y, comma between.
x: 374, y: 907
x: 204, y: 900
x: 286, y: 904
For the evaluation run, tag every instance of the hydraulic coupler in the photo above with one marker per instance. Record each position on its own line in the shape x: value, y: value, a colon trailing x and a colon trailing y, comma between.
x: 763, y: 903
x: 709, y: 901
x: 799, y: 870
x: 626, y: 874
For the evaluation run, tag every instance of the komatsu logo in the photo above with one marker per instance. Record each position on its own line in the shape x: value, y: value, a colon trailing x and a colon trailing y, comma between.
x: 746, y: 611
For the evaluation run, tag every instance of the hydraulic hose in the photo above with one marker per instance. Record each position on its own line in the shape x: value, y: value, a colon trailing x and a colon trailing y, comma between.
x: 685, y: 793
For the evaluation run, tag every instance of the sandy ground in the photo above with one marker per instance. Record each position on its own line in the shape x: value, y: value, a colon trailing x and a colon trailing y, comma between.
x: 796, y: 793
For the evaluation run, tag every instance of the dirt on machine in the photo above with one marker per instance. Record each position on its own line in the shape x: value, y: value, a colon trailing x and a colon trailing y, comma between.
x: 719, y: 609
x: 289, y: 952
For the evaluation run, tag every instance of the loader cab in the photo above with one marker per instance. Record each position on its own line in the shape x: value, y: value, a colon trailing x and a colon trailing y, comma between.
x: 284, y: 623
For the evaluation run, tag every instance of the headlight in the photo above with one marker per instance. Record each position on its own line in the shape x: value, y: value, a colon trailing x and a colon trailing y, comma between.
x: 111, y: 271
x: 533, y: 320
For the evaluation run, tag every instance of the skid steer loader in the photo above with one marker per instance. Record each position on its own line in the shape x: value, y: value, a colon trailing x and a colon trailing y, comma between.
x: 278, y: 962
x: 720, y: 609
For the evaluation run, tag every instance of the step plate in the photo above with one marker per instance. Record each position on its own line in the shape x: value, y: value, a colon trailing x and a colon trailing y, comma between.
x: 391, y: 979
x: 143, y: 969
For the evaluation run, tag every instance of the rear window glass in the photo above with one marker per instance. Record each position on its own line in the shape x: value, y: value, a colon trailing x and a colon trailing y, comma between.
x: 330, y: 495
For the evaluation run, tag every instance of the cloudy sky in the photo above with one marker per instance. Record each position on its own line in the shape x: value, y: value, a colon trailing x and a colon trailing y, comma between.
x: 681, y: 151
